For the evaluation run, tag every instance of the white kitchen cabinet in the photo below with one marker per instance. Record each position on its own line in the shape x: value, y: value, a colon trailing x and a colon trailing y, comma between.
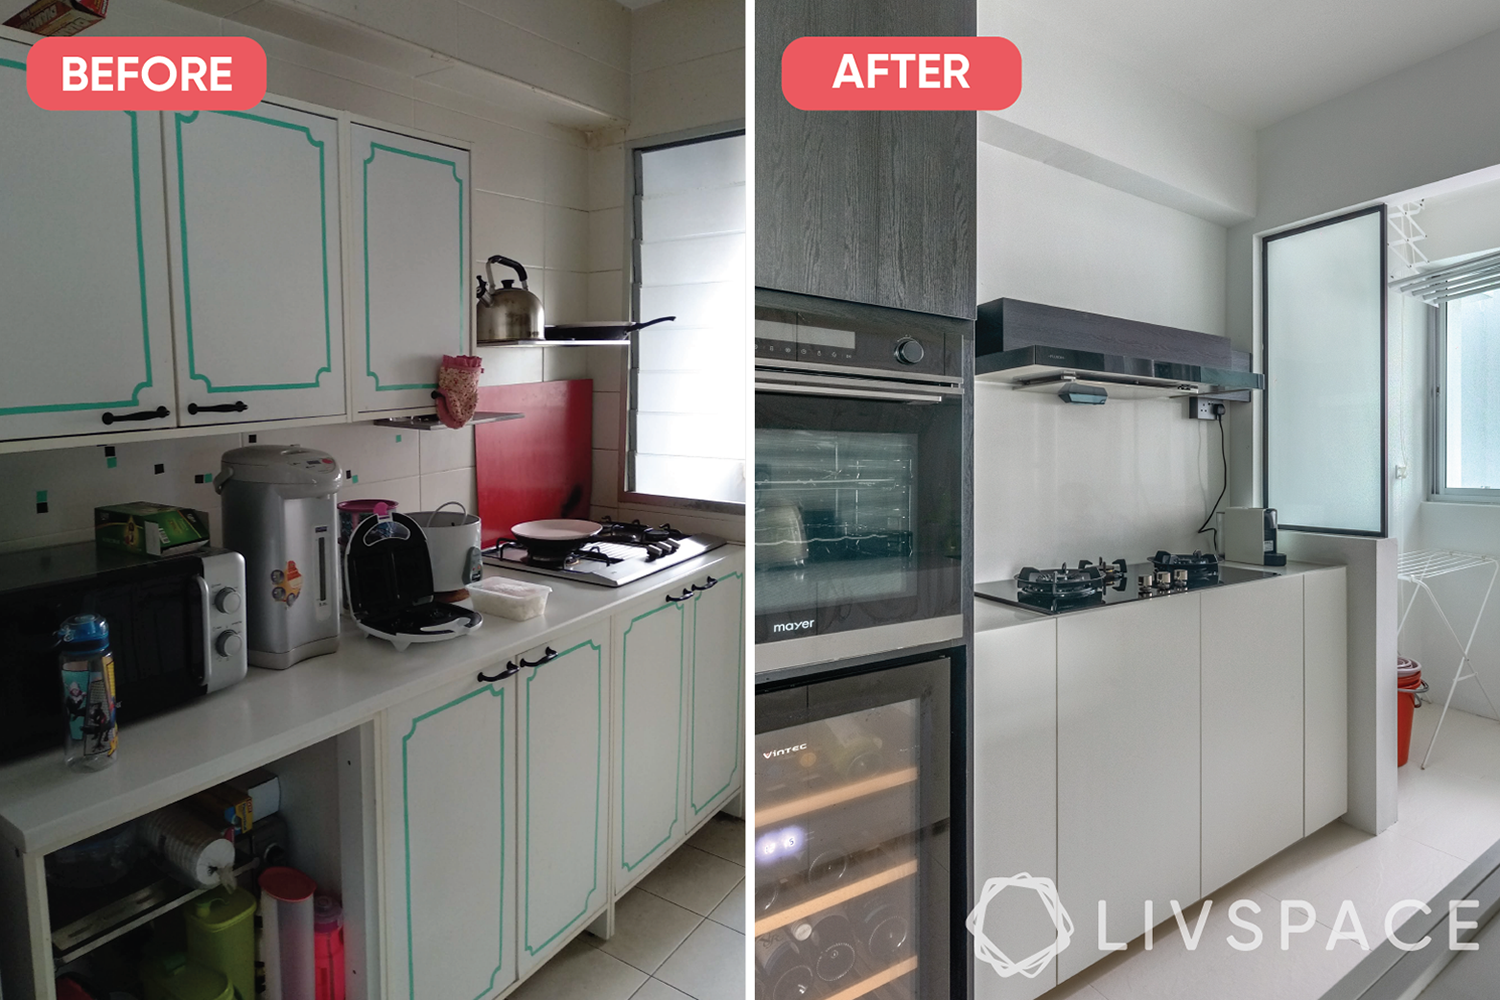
x: 564, y: 798
x: 409, y: 278
x: 1015, y: 794
x: 83, y: 268
x: 451, y: 841
x: 253, y: 230
x: 716, y: 720
x: 1325, y: 697
x: 1127, y: 767
x: 1252, y: 725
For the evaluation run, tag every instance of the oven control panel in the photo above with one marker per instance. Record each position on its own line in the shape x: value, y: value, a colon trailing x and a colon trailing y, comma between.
x: 783, y: 338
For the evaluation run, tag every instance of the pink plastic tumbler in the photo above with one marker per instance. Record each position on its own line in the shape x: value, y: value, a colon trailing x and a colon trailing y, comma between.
x: 328, y: 948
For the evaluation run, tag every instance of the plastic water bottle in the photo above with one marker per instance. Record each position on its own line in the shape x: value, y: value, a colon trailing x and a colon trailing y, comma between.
x: 88, y: 685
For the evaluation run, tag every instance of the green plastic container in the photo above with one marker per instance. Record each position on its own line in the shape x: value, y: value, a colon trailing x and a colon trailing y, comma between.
x: 171, y: 976
x: 221, y: 936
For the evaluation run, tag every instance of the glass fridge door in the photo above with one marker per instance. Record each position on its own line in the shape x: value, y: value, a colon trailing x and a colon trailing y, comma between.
x: 852, y: 868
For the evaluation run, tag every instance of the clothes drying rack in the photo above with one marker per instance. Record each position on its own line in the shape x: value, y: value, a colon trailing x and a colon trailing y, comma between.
x: 1417, y: 568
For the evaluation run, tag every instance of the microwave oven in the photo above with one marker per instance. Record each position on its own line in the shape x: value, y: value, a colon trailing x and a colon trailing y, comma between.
x: 176, y: 631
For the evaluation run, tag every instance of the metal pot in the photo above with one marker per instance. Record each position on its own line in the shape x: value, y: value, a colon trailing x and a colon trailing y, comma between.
x: 506, y: 313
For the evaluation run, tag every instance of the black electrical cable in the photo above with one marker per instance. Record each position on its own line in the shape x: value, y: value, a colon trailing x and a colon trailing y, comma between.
x: 1224, y: 454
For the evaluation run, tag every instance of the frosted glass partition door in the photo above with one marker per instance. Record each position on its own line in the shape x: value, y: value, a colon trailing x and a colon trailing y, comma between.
x: 1325, y: 375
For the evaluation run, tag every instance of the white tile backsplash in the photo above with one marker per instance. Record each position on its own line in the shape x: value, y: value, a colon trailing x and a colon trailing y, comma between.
x: 566, y: 298
x: 567, y: 239
x: 511, y: 226
x: 446, y: 449
x: 608, y: 297
x: 440, y: 487
x: 606, y: 241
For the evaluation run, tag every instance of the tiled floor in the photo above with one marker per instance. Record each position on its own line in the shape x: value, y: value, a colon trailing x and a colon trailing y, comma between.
x: 1449, y: 815
x: 679, y: 934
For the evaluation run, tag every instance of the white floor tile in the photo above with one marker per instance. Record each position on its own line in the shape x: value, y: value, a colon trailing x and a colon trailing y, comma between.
x: 655, y: 989
x: 694, y: 879
x: 710, y: 965
x: 580, y: 970
x: 648, y: 929
x: 723, y: 836
x: 731, y: 912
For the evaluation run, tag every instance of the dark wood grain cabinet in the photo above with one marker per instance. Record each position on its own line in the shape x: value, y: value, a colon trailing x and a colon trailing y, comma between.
x: 866, y: 206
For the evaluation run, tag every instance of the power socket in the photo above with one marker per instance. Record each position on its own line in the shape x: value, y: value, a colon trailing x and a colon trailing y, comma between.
x: 1204, y: 409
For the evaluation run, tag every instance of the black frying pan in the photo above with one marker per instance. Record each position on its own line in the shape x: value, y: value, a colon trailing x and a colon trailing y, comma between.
x: 600, y: 330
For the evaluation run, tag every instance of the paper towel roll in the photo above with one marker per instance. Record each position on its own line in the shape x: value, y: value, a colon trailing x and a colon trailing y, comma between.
x: 192, y: 850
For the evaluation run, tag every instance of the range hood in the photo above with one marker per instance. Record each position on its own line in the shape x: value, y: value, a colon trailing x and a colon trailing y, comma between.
x: 1081, y: 355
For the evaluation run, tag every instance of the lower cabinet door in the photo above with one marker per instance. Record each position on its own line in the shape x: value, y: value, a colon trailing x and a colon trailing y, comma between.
x: 450, y: 832
x: 564, y: 691
x: 715, y: 744
x: 650, y: 693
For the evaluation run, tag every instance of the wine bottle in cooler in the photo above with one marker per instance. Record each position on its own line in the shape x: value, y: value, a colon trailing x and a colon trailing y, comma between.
x: 882, y: 924
x: 788, y: 973
x: 828, y: 942
x: 852, y: 751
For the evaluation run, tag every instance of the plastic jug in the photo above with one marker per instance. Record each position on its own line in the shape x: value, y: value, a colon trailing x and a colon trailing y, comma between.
x: 328, y: 948
x: 221, y: 936
x: 286, y: 915
x: 171, y: 976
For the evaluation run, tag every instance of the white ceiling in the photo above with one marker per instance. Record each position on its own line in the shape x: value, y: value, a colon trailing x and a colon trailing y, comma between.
x: 1264, y: 61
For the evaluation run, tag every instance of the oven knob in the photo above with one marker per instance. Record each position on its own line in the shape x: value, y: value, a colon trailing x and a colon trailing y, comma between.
x: 227, y: 601
x: 908, y: 351
x: 228, y: 643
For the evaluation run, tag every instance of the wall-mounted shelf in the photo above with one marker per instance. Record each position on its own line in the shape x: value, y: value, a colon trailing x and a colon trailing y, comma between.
x: 430, y: 421
x: 622, y: 342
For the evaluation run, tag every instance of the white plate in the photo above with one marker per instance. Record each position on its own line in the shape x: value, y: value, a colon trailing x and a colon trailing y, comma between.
x: 560, y: 530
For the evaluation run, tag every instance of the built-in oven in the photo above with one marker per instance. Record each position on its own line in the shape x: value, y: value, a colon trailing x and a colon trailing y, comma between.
x: 858, y: 485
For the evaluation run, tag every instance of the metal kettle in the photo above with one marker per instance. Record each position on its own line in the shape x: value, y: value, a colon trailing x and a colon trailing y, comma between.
x: 506, y: 313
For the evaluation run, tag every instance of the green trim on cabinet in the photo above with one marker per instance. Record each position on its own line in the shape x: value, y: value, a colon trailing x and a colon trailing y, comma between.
x: 140, y: 258
x: 463, y: 270
x: 411, y: 969
x: 181, y: 119
x: 624, y: 668
x: 598, y: 790
x: 739, y: 688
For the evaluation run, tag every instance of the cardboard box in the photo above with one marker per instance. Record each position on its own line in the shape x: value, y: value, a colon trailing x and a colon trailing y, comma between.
x: 224, y: 809
x: 59, y: 17
x: 264, y: 789
x: 150, y: 529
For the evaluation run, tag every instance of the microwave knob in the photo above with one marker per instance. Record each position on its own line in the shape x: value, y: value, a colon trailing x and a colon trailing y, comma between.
x: 908, y: 351
x: 228, y: 643
x: 227, y: 601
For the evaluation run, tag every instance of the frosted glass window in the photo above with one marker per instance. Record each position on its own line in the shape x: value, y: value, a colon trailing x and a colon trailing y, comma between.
x: 688, y: 378
x: 1325, y: 375
x: 1471, y: 383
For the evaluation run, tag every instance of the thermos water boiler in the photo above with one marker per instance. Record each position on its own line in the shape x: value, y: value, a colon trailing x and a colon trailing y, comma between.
x: 278, y: 506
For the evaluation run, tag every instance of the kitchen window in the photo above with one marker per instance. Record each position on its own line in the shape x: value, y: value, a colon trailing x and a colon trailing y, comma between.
x: 687, y: 391
x: 1466, y: 398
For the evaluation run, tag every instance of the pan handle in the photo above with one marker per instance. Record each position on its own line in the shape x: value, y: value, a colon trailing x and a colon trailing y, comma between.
x: 650, y: 322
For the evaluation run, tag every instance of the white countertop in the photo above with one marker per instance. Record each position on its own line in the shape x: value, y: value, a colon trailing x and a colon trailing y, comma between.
x: 44, y: 806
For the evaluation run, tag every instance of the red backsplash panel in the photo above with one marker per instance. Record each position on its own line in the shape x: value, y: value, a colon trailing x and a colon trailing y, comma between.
x: 540, y: 466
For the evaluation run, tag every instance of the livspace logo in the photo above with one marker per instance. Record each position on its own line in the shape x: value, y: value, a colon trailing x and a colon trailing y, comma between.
x: 792, y: 626
x: 208, y: 73
x: 881, y: 73
x: 1347, y: 926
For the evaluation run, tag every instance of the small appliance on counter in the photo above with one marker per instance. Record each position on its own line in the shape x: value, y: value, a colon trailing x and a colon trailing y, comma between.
x: 280, y: 514
x: 1250, y: 536
x: 607, y: 554
x: 453, y: 546
x: 390, y: 585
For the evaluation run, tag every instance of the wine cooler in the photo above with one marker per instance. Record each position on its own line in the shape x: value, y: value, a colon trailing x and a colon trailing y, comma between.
x: 854, y: 868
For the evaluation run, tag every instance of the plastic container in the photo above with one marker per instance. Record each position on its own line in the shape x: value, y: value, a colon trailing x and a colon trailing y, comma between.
x: 90, y: 737
x: 1409, y: 691
x: 171, y: 976
x: 101, y: 860
x: 286, y: 908
x: 221, y: 936
x: 513, y: 599
x: 328, y: 948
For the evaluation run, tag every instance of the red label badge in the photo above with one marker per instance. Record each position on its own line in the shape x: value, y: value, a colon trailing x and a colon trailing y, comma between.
x: 901, y: 73
x: 146, y: 74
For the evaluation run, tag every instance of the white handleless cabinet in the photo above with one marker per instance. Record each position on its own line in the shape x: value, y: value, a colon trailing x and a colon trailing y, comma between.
x: 253, y: 228
x: 409, y: 279
x: 1325, y: 697
x: 83, y: 276
x: 1252, y: 725
x: 1015, y: 795
x: 564, y: 751
x: 1127, y: 767
x: 716, y: 728
x: 451, y: 842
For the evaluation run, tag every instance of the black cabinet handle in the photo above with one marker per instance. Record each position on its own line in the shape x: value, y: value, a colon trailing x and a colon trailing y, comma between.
x: 687, y: 595
x: 238, y: 406
x: 547, y: 657
x: 510, y: 671
x: 707, y: 586
x: 156, y: 414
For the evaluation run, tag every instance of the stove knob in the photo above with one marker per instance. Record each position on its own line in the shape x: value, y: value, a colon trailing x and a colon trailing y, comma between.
x: 227, y: 601
x: 909, y: 352
x: 228, y: 643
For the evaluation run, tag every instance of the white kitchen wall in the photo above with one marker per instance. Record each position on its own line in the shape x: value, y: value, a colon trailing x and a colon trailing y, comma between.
x: 1056, y: 482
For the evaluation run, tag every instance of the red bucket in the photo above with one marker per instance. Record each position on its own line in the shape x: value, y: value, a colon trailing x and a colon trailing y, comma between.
x: 1409, y: 691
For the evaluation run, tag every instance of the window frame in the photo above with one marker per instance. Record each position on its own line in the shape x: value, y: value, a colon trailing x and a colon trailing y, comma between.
x: 633, y: 150
x: 1437, y: 418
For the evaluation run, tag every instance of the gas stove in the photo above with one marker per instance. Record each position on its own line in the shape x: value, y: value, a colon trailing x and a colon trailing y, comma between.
x: 1091, y: 585
x: 621, y: 553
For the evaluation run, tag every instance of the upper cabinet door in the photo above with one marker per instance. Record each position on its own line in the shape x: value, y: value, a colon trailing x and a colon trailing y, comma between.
x: 253, y: 225
x: 410, y: 275
x: 83, y: 277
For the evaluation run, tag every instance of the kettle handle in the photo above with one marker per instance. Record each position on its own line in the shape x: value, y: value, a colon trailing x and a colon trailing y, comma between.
x: 514, y: 265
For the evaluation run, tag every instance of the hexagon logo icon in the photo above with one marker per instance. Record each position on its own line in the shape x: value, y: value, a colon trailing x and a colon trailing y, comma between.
x: 988, y: 952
